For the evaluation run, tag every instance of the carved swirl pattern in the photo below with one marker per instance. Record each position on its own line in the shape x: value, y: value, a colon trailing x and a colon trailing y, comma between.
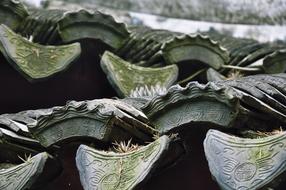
x: 238, y: 163
x: 195, y: 111
x: 110, y: 171
x: 35, y: 60
x: 18, y: 177
x: 72, y: 128
x: 193, y: 90
x: 94, y: 119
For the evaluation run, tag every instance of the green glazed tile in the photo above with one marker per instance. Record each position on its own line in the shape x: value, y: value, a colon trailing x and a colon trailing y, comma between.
x: 36, y: 61
x: 21, y: 177
x: 244, y: 163
x: 126, y: 77
x: 118, y: 171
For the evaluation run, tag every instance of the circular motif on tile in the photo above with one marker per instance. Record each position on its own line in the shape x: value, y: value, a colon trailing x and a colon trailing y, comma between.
x: 245, y: 172
x: 110, y: 181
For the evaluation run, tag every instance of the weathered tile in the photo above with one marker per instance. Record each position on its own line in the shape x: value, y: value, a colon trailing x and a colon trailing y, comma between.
x: 243, y: 163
